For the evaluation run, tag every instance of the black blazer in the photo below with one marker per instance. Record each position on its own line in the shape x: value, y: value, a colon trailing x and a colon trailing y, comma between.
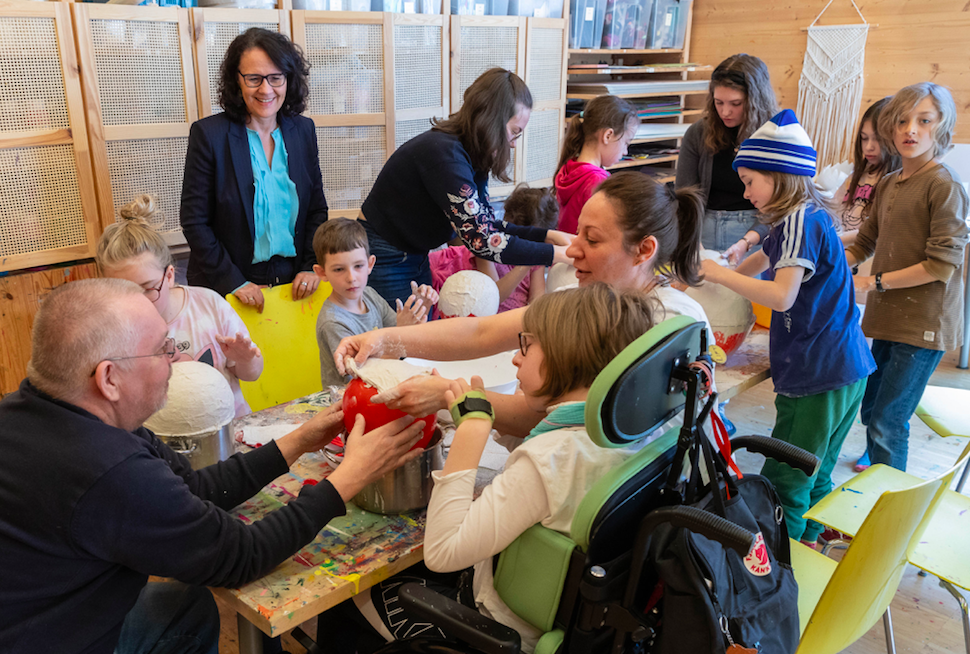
x: 218, y: 193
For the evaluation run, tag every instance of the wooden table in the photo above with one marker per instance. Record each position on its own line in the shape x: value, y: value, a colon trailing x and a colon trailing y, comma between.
x: 361, y: 549
x: 351, y: 554
x: 746, y: 367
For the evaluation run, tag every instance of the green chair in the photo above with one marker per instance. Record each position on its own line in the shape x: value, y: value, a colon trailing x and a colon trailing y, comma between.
x: 578, y: 590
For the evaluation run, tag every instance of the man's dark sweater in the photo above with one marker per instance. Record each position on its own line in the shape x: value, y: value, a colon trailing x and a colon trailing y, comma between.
x: 88, y: 511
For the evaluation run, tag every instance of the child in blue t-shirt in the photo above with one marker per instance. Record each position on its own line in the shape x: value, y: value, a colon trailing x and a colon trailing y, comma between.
x: 819, y: 357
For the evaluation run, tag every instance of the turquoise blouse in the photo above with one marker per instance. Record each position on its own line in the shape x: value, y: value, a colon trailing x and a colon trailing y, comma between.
x: 276, y: 203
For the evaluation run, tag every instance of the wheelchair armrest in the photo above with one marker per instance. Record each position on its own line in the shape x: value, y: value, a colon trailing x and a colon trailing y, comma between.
x: 779, y: 450
x: 460, y: 622
x: 706, y: 524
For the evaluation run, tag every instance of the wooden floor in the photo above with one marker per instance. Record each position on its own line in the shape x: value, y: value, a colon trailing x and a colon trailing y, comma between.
x: 926, y: 618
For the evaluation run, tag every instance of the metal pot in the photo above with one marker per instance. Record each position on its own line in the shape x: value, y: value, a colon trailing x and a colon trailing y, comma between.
x: 203, y: 449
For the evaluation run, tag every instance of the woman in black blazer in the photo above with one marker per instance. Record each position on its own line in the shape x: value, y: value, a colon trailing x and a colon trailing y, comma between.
x: 252, y: 196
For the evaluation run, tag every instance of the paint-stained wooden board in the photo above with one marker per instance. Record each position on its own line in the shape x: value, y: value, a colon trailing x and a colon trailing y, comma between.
x: 351, y: 554
x: 20, y: 298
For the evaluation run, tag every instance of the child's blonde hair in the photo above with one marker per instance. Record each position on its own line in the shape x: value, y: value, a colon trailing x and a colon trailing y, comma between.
x: 790, y: 192
x: 903, y: 104
x: 132, y: 235
x: 339, y: 235
x: 581, y: 330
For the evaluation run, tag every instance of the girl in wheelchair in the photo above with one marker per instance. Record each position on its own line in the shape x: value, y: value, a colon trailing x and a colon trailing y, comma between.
x: 568, y: 338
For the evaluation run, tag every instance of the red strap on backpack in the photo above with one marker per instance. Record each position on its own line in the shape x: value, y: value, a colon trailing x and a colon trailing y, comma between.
x: 724, y: 443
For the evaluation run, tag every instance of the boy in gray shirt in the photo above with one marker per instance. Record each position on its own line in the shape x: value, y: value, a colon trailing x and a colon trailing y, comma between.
x: 344, y: 261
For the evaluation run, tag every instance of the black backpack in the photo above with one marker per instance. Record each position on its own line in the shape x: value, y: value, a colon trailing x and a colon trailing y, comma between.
x: 709, y: 598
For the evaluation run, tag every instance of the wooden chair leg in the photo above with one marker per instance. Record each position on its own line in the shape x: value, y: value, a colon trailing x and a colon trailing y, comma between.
x: 887, y: 623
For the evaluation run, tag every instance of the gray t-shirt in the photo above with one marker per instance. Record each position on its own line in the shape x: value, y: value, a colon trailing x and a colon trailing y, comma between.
x: 335, y: 323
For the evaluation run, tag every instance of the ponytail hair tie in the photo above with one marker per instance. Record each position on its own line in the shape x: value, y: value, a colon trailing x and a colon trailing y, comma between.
x: 671, y: 191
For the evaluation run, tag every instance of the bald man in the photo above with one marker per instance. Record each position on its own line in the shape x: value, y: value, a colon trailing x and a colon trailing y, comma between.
x: 92, y: 503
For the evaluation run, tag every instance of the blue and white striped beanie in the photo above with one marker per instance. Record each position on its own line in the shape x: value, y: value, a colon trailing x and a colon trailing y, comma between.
x: 781, y: 145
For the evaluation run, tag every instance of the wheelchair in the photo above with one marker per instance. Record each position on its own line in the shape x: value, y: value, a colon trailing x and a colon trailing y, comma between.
x: 587, y: 592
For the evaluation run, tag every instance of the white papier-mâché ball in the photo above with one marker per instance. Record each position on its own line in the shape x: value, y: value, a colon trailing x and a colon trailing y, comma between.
x: 561, y: 276
x: 200, y: 401
x: 730, y: 314
x: 468, y: 293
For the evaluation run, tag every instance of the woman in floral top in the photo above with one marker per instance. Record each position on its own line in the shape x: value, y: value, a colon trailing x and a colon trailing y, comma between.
x: 435, y: 187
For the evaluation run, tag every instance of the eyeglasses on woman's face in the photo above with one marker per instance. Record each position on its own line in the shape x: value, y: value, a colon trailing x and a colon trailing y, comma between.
x: 275, y: 80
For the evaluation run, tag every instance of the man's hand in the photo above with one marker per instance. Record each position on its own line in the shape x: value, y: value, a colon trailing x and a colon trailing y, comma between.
x: 371, y: 455
x: 312, y: 435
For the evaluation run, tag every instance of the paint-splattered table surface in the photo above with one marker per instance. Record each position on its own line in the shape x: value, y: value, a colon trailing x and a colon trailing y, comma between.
x: 352, y: 553
x: 746, y: 366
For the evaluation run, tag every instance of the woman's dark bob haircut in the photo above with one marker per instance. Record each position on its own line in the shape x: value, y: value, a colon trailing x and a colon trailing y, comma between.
x: 287, y: 56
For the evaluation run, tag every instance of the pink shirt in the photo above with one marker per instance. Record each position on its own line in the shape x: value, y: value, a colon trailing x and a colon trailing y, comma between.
x: 445, y: 263
x: 575, y: 184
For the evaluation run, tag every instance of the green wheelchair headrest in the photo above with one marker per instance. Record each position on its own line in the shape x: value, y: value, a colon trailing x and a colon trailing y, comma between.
x: 633, y: 395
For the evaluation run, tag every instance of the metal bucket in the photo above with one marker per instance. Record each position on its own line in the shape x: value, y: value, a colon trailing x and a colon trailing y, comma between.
x: 203, y: 449
x: 405, y: 489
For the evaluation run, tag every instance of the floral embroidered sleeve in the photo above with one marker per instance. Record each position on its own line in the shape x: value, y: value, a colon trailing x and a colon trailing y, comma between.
x: 474, y: 222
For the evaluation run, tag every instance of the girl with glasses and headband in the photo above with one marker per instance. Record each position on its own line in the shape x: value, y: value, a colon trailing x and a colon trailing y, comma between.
x: 739, y: 102
x: 435, y: 187
x: 253, y: 192
x: 201, y: 322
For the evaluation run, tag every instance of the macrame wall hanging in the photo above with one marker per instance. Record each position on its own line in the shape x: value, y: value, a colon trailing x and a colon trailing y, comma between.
x: 830, y: 88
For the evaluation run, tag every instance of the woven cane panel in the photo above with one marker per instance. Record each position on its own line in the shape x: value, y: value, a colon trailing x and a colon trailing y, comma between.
x: 406, y: 130
x: 218, y: 36
x: 483, y: 48
x: 346, y: 69
x: 139, y: 72
x: 541, y: 145
x: 545, y: 64
x: 417, y: 66
x: 30, y: 73
x: 350, y: 159
x: 153, y: 166
x: 41, y: 207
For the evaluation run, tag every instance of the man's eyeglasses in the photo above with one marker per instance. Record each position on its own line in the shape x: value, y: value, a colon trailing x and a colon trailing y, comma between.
x: 275, y: 80
x: 524, y: 342
x: 168, y: 350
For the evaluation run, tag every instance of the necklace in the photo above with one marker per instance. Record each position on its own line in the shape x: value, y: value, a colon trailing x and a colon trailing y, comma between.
x: 903, y: 179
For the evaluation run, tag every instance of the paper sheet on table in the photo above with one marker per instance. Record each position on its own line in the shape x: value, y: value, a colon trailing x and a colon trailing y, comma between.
x: 254, y: 435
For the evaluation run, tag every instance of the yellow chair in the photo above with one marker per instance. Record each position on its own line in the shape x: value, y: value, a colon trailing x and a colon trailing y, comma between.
x: 944, y: 410
x: 941, y: 551
x: 286, y: 334
x: 839, y: 602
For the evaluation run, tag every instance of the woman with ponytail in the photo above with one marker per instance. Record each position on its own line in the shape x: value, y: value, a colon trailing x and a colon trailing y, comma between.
x: 630, y: 228
x: 595, y: 140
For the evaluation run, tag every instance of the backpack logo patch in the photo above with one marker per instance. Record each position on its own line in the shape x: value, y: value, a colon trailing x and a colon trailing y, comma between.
x: 757, y: 561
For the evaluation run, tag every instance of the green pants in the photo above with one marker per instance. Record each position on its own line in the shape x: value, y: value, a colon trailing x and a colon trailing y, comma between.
x: 819, y: 424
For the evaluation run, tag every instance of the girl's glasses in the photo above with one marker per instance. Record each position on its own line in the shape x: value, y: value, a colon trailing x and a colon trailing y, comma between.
x: 155, y: 292
x: 275, y: 80
x: 524, y: 342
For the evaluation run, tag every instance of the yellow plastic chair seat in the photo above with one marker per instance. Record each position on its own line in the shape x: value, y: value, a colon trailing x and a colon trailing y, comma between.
x: 944, y: 410
x: 942, y: 551
x: 286, y: 334
x: 813, y: 570
x: 846, y: 507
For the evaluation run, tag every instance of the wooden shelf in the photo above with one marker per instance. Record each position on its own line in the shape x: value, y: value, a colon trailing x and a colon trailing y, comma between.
x: 655, y: 139
x: 625, y: 51
x: 632, y: 163
x: 685, y: 112
x: 636, y: 70
x: 590, y: 96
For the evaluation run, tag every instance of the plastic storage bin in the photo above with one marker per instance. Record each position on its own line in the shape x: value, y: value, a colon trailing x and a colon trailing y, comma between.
x: 668, y: 24
x: 626, y: 23
x: 422, y: 6
x: 548, y: 9
x: 521, y: 7
x: 480, y: 7
x: 586, y: 24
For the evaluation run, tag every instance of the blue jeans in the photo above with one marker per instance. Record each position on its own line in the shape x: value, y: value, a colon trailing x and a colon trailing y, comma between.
x: 891, y: 397
x: 171, y: 618
x: 722, y: 229
x: 395, y: 269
